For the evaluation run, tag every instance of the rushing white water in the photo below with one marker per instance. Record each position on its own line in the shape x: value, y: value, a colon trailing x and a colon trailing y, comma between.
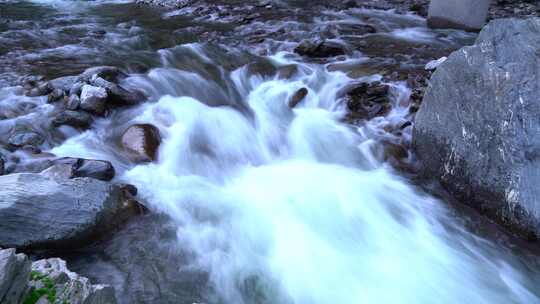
x: 291, y: 206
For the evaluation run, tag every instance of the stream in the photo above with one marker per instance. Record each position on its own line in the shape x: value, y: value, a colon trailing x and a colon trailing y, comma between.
x: 252, y: 201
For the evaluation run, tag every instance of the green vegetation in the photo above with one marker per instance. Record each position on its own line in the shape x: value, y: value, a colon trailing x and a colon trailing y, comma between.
x: 48, y: 289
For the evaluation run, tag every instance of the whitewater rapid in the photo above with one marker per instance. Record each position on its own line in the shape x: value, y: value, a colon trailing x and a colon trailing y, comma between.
x: 283, y: 205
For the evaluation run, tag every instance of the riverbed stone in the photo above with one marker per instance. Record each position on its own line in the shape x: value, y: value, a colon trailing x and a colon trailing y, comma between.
x: 55, y: 95
x: 319, y: 48
x: 63, y: 83
x: 477, y: 130
x: 39, y: 212
x: 76, y: 119
x: 109, y: 73
x: 141, y: 141
x: 21, y: 137
x: 76, y: 88
x: 117, y: 95
x: 73, y: 102
x: 367, y: 100
x: 93, y: 99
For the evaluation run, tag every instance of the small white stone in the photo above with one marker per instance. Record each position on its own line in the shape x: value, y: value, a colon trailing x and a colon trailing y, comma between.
x: 434, y: 64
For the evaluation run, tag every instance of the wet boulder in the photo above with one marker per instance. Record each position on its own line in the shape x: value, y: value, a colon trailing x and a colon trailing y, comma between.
x: 74, y: 119
x: 297, y: 97
x: 368, y: 100
x: 63, y: 84
x: 262, y: 67
x: 477, y: 130
x: 319, y: 48
x: 40, y: 89
x: 31, y: 165
x: 73, y: 102
x: 109, y: 73
x: 69, y: 167
x: 76, y: 88
x: 141, y: 142
x: 40, y: 212
x: 287, y: 71
x: 93, y: 99
x: 14, y: 275
x: 21, y: 137
x: 117, y: 95
x: 146, y: 243
x: 55, y: 95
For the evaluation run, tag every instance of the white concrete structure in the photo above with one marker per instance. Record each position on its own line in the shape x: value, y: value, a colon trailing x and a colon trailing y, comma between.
x: 461, y: 14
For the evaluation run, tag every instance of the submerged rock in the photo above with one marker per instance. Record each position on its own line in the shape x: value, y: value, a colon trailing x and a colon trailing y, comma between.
x: 73, y: 118
x: 93, y: 99
x: 39, y: 212
x: 287, y: 71
x: 141, y: 141
x: 23, y: 137
x: 477, y: 130
x: 319, y: 48
x: 368, y: 100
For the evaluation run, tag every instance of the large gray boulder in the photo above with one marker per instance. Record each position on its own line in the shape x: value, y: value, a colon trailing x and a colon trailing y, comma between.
x: 478, y: 129
x: 14, y: 275
x: 459, y: 14
x: 42, y: 212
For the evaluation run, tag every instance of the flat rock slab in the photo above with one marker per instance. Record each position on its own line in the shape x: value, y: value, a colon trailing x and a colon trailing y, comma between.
x: 39, y: 212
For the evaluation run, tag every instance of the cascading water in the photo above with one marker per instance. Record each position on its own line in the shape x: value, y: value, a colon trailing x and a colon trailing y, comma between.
x: 290, y: 206
x: 281, y: 205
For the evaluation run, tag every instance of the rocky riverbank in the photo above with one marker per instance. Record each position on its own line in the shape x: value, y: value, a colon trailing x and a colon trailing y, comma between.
x: 499, y: 9
x: 46, y: 281
x: 161, y: 119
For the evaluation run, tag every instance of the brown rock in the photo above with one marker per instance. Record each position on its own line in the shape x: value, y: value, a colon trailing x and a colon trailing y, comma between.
x: 298, y: 97
x: 368, y: 100
x: 141, y: 141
